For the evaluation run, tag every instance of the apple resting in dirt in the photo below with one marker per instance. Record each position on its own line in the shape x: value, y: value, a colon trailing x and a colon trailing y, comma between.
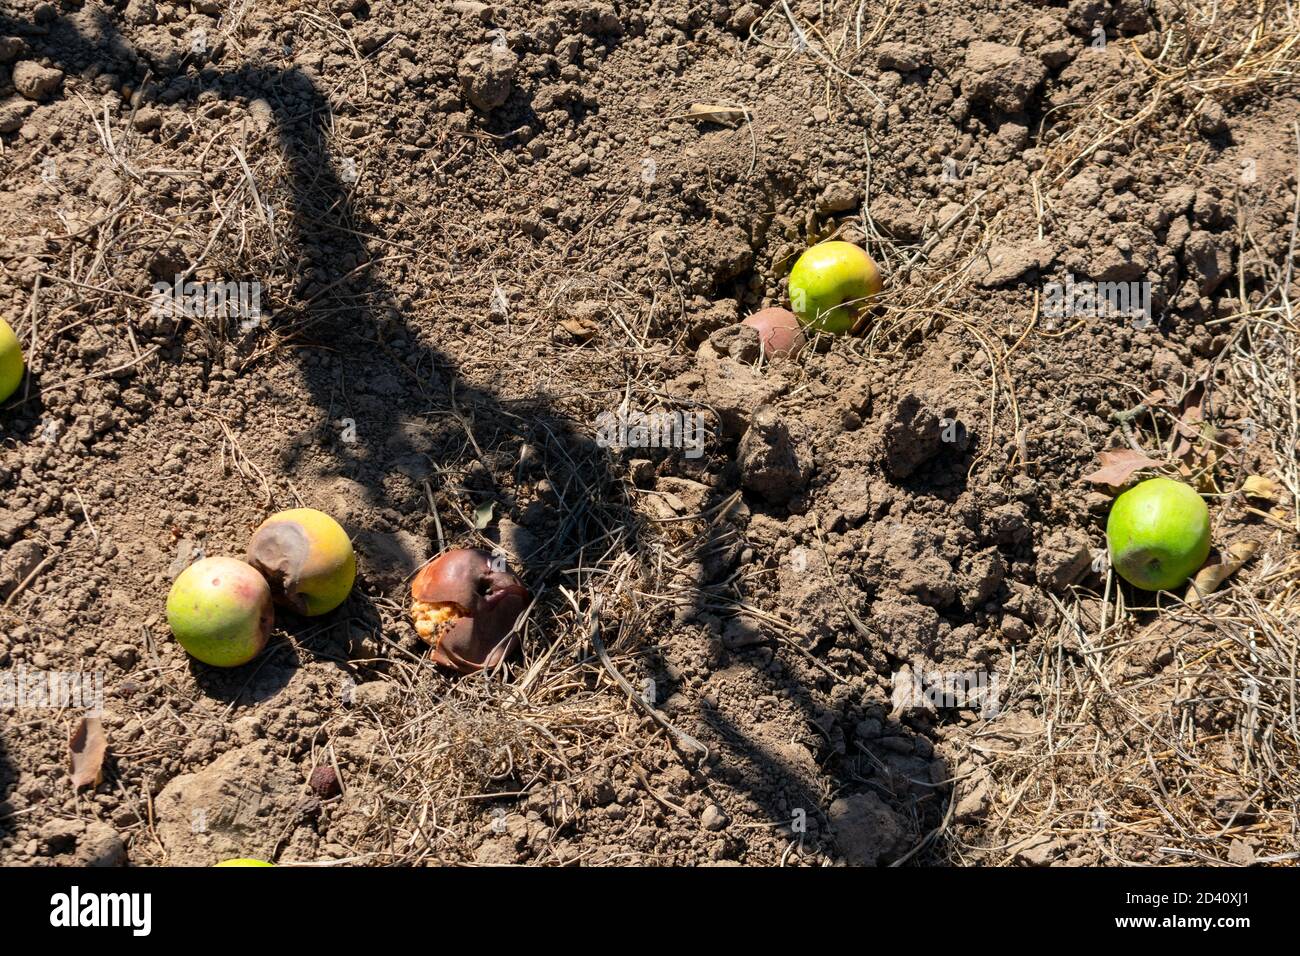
x: 1158, y: 533
x: 465, y: 604
x: 11, y: 361
x: 778, y: 331
x: 830, y: 286
x: 243, y: 861
x: 307, y: 559
x: 220, y: 611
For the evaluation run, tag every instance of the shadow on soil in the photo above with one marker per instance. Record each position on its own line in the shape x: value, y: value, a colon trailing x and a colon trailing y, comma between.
x: 364, y: 364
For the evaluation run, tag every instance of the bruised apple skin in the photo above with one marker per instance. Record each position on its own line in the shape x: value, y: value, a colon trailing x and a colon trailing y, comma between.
x: 466, y: 609
x: 307, y: 559
x: 220, y: 611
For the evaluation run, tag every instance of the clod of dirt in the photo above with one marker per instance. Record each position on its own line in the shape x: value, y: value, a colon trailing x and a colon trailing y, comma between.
x: 733, y: 388
x: 236, y: 806
x: 387, y: 559
x: 902, y: 57
x: 1064, y: 557
x: 1006, y: 262
x: 839, y: 196
x: 918, y: 430
x: 897, y: 218
x: 867, y: 832
x: 487, y: 77
x: 34, y: 81
x: 17, y: 563
x: 1002, y: 76
x: 466, y: 606
x: 100, y: 845
x: 774, y: 456
x: 13, y: 111
x: 714, y: 818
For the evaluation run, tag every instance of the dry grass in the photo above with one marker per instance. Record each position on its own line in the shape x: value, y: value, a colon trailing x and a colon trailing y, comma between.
x: 1170, y: 735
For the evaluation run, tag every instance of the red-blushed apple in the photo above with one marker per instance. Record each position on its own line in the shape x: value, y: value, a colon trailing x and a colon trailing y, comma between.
x: 465, y: 604
x: 1158, y: 533
x: 779, y: 331
x: 307, y: 559
x: 831, y: 285
x: 220, y: 611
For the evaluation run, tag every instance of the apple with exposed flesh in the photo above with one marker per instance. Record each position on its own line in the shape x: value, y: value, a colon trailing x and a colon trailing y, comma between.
x: 1158, y: 534
x: 831, y: 285
x: 465, y: 604
x: 220, y: 611
x: 307, y: 558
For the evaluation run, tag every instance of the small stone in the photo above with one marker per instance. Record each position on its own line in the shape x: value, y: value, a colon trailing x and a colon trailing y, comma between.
x: 714, y: 818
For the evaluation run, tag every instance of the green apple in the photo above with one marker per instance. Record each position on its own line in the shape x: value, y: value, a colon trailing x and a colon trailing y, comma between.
x: 220, y: 610
x: 830, y: 286
x: 1158, y: 534
x: 243, y: 861
x: 308, y: 559
x: 11, y: 361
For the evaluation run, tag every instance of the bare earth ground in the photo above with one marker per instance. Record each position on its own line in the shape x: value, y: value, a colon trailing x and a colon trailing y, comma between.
x: 475, y: 228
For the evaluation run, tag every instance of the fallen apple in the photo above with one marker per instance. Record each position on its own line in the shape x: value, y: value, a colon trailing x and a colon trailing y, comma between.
x: 465, y: 604
x: 307, y: 559
x: 11, y: 361
x: 243, y: 861
x: 830, y: 286
x: 1158, y: 534
x: 220, y: 611
x: 779, y: 332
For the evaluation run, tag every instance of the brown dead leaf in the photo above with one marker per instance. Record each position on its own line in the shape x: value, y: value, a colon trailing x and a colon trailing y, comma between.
x: 1118, y: 465
x: 580, y: 329
x: 87, y: 748
x: 1210, y: 577
x: 713, y: 113
x: 1257, y: 486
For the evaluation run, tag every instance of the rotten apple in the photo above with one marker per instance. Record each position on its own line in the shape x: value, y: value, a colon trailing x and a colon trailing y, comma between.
x: 465, y: 605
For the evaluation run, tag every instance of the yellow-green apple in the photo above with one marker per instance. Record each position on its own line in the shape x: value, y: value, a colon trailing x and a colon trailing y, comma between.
x: 307, y: 559
x: 220, y: 611
x: 830, y: 286
x: 11, y: 361
x: 1158, y: 534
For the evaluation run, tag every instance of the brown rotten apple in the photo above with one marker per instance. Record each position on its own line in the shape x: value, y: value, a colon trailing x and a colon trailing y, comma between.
x: 465, y: 606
